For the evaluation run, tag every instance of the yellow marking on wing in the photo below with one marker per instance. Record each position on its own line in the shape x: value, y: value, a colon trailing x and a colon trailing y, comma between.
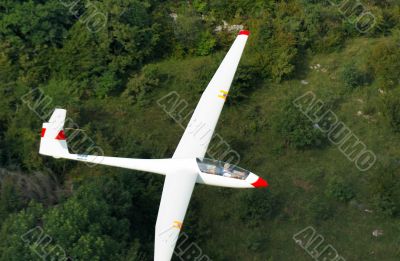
x: 223, y: 94
x: 177, y: 224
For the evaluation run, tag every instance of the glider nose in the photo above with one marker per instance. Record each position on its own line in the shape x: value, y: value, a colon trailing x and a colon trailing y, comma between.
x: 260, y: 183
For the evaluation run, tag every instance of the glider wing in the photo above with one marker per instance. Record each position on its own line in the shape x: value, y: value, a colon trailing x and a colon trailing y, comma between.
x: 175, y: 199
x: 197, y: 136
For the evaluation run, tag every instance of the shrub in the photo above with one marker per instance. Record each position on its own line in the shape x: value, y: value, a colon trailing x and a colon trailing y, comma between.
x: 187, y: 30
x: 297, y: 129
x: 352, y: 76
x: 340, y: 189
x: 386, y: 204
x: 206, y: 44
x: 320, y: 209
x: 385, y: 62
x: 143, y: 83
x: 259, y: 205
x: 391, y: 110
x: 247, y: 79
x: 385, y: 188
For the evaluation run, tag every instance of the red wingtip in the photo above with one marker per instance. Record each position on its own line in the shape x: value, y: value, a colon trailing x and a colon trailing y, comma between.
x: 244, y: 32
x: 260, y: 183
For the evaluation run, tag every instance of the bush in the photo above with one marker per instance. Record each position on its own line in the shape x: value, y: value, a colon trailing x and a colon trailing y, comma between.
x: 385, y: 188
x: 320, y: 209
x: 206, y: 44
x: 385, y: 62
x: 187, y: 29
x: 386, y: 204
x: 142, y: 84
x: 352, y: 76
x: 259, y: 205
x: 391, y: 110
x: 297, y: 129
x: 247, y: 79
x: 340, y: 189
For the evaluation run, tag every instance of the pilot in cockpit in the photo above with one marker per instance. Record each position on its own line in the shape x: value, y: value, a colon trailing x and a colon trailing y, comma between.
x: 227, y: 170
x: 211, y: 169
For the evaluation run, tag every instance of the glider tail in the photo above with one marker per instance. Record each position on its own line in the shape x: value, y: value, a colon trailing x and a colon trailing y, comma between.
x: 53, y: 141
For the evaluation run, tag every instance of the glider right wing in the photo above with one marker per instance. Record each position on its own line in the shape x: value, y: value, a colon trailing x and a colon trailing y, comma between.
x: 198, y: 134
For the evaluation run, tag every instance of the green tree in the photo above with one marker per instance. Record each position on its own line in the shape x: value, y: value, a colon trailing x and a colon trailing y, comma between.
x: 206, y: 44
x: 90, y: 225
x: 16, y: 240
x: 187, y: 31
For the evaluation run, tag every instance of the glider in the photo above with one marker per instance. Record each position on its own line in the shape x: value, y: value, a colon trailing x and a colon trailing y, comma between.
x: 186, y: 167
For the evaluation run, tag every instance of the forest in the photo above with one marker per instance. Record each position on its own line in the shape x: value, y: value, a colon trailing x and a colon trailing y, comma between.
x: 112, y: 63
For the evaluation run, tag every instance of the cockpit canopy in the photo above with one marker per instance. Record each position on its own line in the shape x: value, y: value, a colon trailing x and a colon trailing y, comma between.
x: 221, y: 168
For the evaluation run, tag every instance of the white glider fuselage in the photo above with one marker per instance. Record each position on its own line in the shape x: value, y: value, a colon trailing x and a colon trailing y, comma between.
x: 221, y: 178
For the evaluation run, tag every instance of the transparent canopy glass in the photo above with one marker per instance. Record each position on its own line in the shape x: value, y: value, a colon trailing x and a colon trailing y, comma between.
x: 221, y: 168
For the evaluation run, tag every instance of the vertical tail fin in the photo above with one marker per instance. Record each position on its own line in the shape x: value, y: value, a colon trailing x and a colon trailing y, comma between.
x: 53, y: 141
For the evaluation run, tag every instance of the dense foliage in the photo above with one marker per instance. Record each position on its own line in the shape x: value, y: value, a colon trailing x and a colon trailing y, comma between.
x: 108, y: 62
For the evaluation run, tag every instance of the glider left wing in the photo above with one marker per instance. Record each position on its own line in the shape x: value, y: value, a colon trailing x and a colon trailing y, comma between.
x: 178, y: 188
